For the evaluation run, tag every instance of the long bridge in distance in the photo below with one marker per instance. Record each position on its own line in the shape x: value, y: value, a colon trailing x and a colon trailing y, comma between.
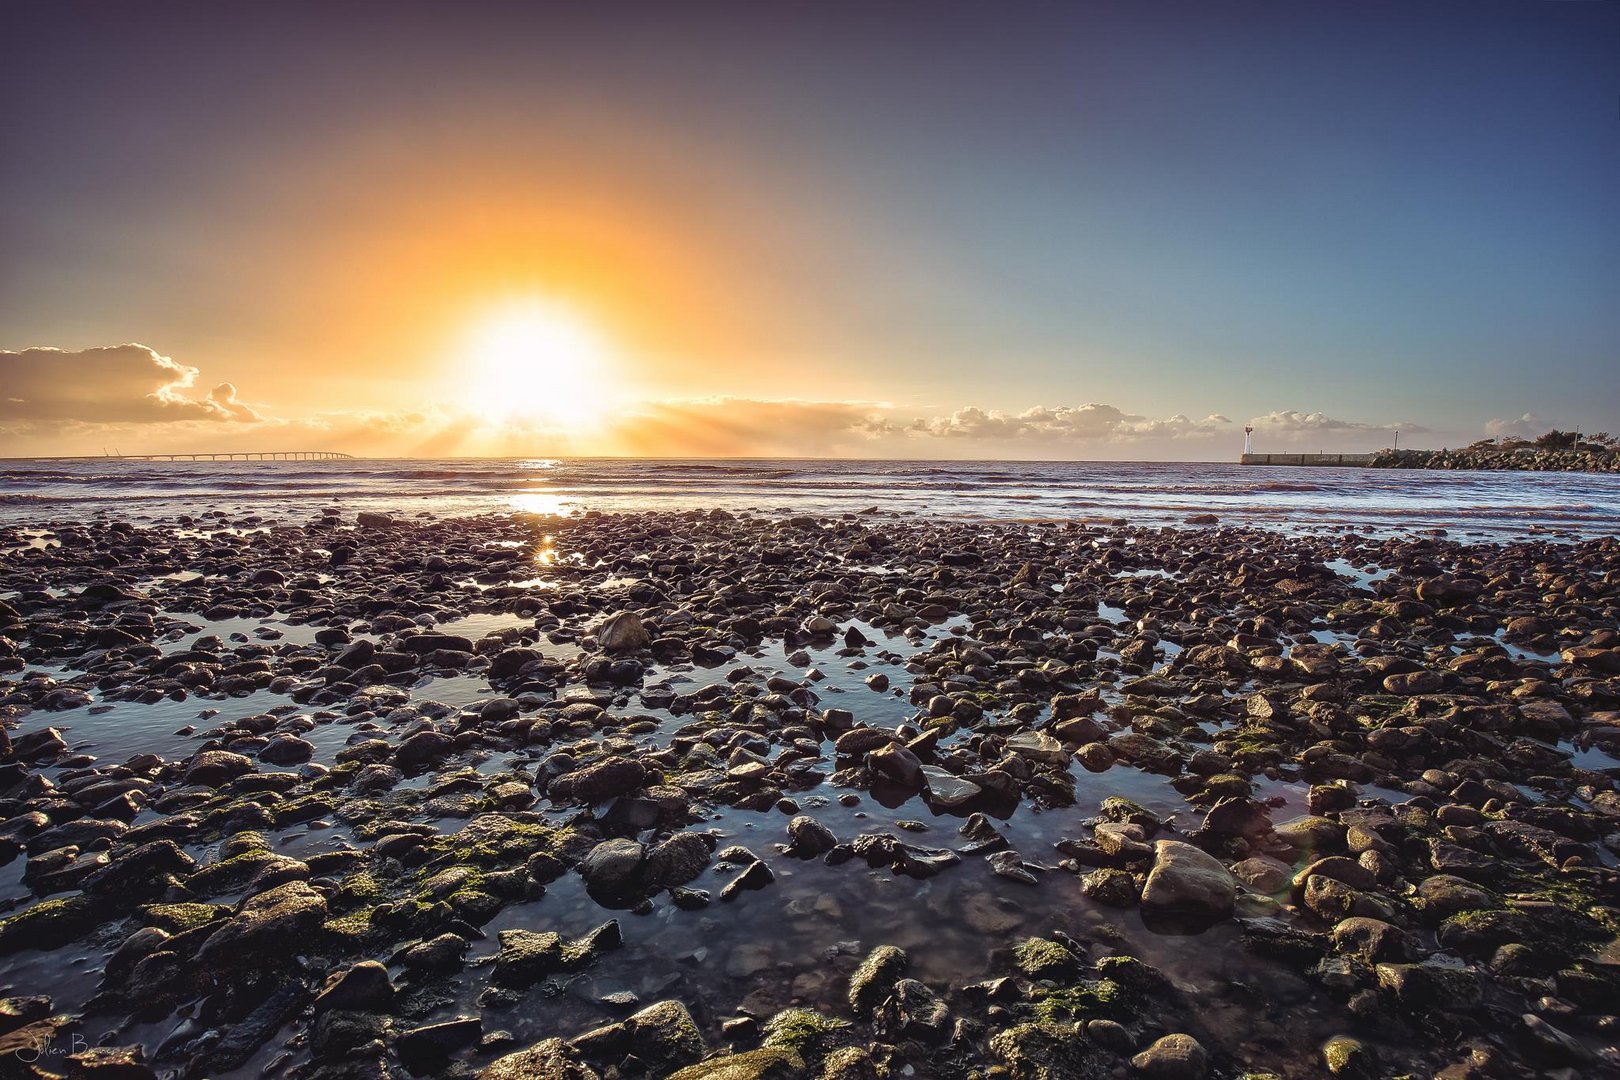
x: 233, y: 455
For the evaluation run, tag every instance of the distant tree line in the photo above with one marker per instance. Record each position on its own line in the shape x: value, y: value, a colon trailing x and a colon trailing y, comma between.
x: 1602, y: 442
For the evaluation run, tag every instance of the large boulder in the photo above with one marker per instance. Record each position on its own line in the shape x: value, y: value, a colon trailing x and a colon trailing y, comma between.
x: 875, y: 978
x: 598, y: 782
x: 809, y: 837
x: 613, y: 866
x: 270, y: 928
x: 1187, y: 881
x: 212, y: 768
x: 623, y: 632
x: 1173, y: 1057
x: 551, y: 1059
x: 665, y: 1037
x: 676, y: 861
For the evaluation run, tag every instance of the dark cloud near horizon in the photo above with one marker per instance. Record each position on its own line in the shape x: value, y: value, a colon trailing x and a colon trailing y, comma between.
x: 128, y: 383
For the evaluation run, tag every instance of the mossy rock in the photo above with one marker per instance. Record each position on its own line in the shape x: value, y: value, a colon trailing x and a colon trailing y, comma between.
x: 494, y: 840
x: 233, y: 874
x: 804, y: 1032
x: 876, y: 976
x: 50, y: 924
x: 1117, y: 808
x: 360, y: 887
x: 1045, y: 960
x: 241, y: 843
x: 1560, y: 933
x: 475, y: 906
x: 1086, y: 1000
x: 1049, y: 1051
x: 767, y: 1063
x: 178, y: 918
x: 1132, y: 974
x: 1223, y: 785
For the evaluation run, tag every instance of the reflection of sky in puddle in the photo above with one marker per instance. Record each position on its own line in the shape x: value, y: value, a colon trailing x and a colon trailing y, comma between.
x: 485, y: 623
x: 1364, y: 579
x: 194, y: 626
x: 1520, y: 652
x: 1109, y: 613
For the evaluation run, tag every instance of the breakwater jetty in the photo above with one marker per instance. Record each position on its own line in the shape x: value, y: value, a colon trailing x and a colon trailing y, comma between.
x: 238, y: 455
x: 1484, y: 460
x: 1330, y: 460
x: 1488, y: 460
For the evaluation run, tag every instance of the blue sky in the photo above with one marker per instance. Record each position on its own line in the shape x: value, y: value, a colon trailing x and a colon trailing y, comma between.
x: 1369, y: 213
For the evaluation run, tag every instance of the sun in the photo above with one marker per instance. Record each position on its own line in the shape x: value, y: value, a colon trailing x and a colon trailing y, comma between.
x: 535, y: 360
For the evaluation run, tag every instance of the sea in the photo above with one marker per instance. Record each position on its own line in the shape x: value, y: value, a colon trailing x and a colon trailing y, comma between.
x: 1471, y: 505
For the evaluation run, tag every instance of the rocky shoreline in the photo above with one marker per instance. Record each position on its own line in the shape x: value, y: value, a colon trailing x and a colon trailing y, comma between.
x: 704, y: 795
x: 1594, y: 461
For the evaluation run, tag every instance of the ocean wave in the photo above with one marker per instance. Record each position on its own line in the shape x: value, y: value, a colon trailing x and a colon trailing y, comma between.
x: 1166, y: 493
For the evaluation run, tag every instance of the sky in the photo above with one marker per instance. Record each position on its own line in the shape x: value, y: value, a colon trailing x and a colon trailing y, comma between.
x: 933, y: 229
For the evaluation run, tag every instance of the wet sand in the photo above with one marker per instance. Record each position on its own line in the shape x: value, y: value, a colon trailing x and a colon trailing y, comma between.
x: 720, y: 795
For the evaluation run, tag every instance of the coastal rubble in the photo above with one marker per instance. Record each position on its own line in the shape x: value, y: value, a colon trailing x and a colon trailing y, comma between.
x: 1124, y: 802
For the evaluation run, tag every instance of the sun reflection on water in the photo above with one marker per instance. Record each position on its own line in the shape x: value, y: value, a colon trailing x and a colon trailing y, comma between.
x: 546, y: 553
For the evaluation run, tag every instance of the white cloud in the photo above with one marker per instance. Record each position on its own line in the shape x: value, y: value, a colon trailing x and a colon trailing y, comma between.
x: 1293, y: 422
x: 112, y: 384
x: 1527, y: 426
x: 1063, y: 423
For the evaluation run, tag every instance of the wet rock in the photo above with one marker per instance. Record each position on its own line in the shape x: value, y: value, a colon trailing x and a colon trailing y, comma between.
x: 680, y: 859
x: 913, y: 1011
x: 1046, y: 1051
x: 873, y: 981
x: 897, y: 765
x: 1173, y: 1057
x: 214, y: 768
x: 526, y: 957
x: 1349, y: 1057
x: 1310, y: 834
x: 766, y: 1063
x: 422, y: 748
x: 1444, y: 895
x: 287, y: 750
x: 664, y: 1037
x: 754, y: 876
x: 1044, y: 959
x: 1552, y: 1045
x: 142, y: 873
x: 1415, y: 682
x: 1370, y: 940
x: 550, y: 1059
x: 1011, y: 865
x: 110, y: 1063
x: 362, y: 987
x: 270, y: 928
x: 1038, y: 746
x: 623, y: 632
x: 948, y: 791
x: 421, y: 1048
x: 598, y: 782
x: 1263, y: 874
x: 808, y: 837
x: 436, y: 956
x: 1187, y: 881
x: 613, y: 866
x: 51, y: 924
x: 1111, y: 886
x: 1338, y: 868
x: 1430, y: 985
